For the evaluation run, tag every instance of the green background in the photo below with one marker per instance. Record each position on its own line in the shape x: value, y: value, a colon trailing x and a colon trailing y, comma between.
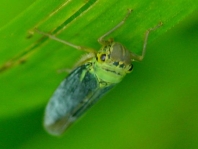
x: 154, y: 107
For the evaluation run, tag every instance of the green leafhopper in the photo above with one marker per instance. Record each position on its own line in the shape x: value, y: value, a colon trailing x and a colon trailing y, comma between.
x: 96, y: 74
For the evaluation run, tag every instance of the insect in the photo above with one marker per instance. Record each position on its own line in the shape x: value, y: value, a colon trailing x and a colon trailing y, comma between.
x: 97, y: 73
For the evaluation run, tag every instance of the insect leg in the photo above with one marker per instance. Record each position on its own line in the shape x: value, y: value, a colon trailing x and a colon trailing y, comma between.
x: 85, y: 58
x: 141, y: 57
x: 66, y: 42
x: 101, y: 39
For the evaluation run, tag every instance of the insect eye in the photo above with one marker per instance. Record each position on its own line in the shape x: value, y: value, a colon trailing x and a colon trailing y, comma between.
x: 116, y: 63
x: 102, y: 57
x: 131, y: 68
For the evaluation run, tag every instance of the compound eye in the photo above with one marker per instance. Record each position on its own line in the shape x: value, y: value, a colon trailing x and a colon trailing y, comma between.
x: 103, y: 57
x: 116, y: 63
x: 131, y: 68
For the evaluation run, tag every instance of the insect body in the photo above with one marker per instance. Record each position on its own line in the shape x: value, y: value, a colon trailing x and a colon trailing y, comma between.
x: 96, y: 75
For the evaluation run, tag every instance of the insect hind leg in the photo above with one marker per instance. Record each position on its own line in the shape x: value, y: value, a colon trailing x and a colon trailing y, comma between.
x: 84, y: 59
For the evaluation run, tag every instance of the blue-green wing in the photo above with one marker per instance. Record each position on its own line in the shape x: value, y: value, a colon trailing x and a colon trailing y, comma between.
x: 79, y: 91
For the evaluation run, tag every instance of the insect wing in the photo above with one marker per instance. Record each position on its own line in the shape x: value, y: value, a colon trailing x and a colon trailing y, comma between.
x: 72, y: 98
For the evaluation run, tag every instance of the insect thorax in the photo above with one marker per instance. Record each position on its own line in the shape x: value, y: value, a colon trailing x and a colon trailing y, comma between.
x: 112, y: 62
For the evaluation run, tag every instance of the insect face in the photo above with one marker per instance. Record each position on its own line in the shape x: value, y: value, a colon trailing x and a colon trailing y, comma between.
x: 115, y: 60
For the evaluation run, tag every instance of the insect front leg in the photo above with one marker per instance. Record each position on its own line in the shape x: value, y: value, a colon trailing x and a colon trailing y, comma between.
x: 141, y: 57
x: 90, y: 50
x: 101, y: 39
x: 84, y: 59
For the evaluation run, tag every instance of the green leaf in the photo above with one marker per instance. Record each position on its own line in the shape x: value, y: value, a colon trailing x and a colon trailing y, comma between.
x: 154, y: 107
